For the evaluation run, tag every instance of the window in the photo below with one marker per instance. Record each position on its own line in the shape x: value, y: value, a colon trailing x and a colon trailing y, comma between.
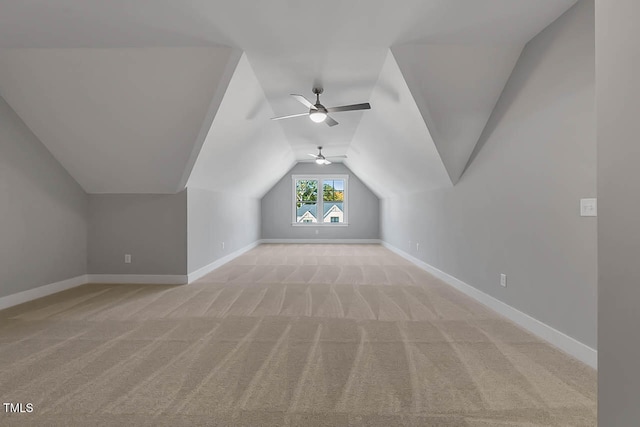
x: 306, y: 196
x: 320, y: 200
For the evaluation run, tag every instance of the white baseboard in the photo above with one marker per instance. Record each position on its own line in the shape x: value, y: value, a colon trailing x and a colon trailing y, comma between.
x: 142, y: 279
x: 192, y: 277
x: 151, y: 279
x: 41, y: 291
x: 564, y: 342
x: 338, y: 241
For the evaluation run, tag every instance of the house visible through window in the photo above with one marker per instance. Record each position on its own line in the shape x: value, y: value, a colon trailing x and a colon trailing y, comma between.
x: 320, y: 200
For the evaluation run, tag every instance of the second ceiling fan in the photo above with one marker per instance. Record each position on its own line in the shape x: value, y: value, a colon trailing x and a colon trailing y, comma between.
x: 321, y: 159
x: 318, y: 112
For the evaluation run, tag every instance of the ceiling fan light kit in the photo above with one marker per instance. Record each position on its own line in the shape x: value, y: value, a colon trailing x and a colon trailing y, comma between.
x: 317, y: 116
x: 318, y: 113
x: 321, y: 159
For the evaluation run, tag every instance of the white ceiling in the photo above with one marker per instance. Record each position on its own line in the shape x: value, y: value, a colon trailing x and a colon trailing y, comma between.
x: 455, y: 88
x: 408, y: 160
x: 146, y: 112
x: 276, y: 25
x: 119, y: 120
x: 241, y: 151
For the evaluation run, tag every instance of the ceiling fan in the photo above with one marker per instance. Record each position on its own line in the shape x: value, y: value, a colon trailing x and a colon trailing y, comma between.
x: 318, y: 112
x: 321, y: 159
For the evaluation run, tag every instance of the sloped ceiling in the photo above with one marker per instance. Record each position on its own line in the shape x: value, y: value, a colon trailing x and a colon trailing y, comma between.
x: 109, y: 86
x: 243, y: 151
x: 119, y: 120
x: 455, y: 88
x: 409, y: 161
x: 348, y: 76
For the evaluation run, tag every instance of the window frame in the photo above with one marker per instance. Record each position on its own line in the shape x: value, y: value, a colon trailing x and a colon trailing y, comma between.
x: 321, y: 178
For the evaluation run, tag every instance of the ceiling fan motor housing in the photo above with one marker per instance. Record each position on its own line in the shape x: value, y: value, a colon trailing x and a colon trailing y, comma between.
x: 317, y: 91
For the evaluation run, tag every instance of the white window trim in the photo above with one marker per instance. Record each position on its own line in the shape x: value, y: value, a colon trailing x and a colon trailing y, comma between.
x: 320, y: 179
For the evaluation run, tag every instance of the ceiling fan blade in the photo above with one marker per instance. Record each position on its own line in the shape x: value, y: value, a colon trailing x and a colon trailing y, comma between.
x: 304, y: 101
x: 337, y: 157
x: 313, y: 155
x: 325, y: 162
x: 330, y: 122
x: 289, y: 116
x: 353, y: 107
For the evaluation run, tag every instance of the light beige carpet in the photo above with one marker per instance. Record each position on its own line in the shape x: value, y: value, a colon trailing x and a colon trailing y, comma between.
x: 285, y: 335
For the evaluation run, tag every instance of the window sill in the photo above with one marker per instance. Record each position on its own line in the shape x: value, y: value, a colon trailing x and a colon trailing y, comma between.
x: 319, y: 224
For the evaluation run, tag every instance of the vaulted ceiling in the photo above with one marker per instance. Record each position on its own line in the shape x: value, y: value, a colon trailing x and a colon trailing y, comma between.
x: 134, y: 96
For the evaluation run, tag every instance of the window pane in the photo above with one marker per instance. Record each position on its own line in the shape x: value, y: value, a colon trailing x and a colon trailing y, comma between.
x: 333, y: 212
x: 306, y: 212
x: 306, y: 191
x: 333, y: 198
x: 333, y: 190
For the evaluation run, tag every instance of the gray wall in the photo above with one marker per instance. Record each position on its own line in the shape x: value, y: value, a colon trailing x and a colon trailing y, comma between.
x: 363, y: 209
x: 214, y: 218
x: 150, y: 227
x: 43, y: 212
x: 172, y: 234
x: 516, y: 208
x: 618, y: 107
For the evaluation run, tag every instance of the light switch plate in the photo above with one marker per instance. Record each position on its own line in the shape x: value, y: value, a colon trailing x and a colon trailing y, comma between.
x: 588, y: 207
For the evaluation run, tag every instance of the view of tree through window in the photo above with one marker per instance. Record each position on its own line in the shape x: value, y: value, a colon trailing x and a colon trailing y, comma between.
x: 306, y: 200
x: 333, y: 190
x: 306, y: 191
x: 333, y: 198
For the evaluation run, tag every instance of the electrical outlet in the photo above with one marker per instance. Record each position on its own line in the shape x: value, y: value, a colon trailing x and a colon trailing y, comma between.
x: 503, y: 280
x: 127, y: 258
x: 317, y: 231
x: 222, y: 245
x: 588, y: 207
x: 417, y: 247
